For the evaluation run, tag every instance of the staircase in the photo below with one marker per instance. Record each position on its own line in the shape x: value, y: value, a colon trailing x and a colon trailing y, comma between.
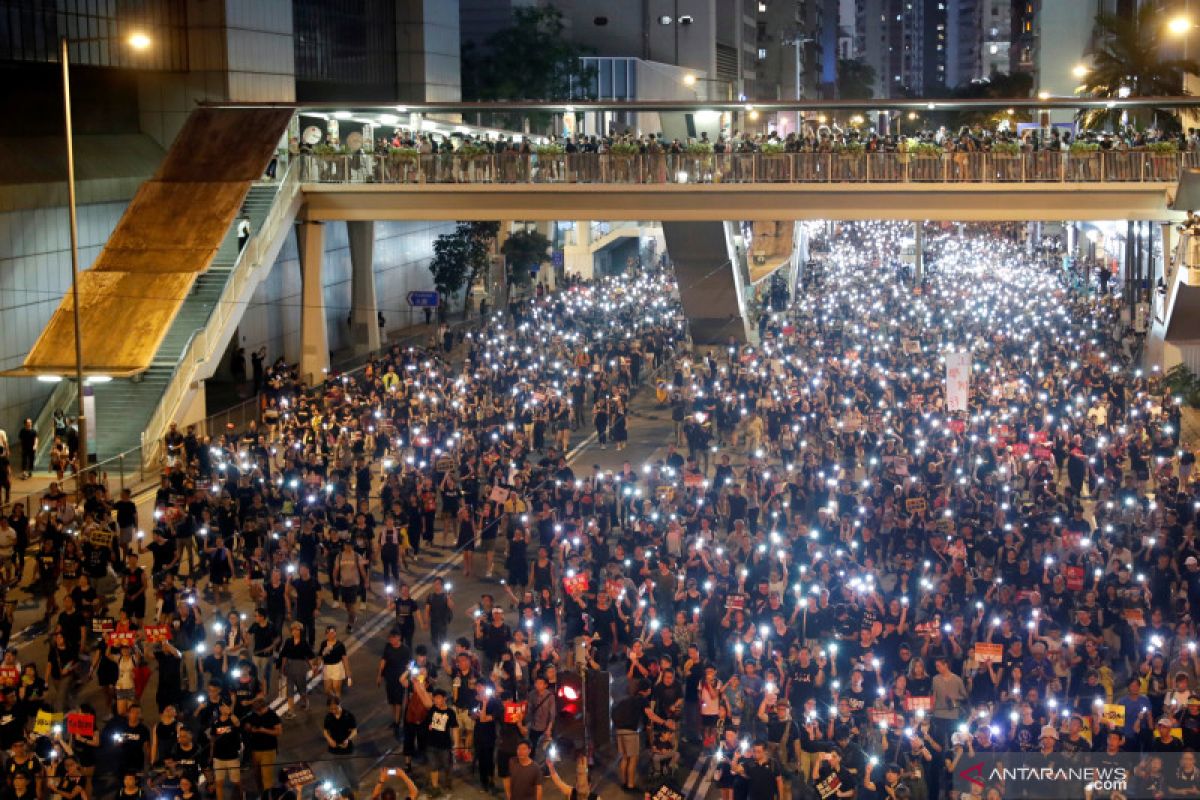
x: 124, y: 407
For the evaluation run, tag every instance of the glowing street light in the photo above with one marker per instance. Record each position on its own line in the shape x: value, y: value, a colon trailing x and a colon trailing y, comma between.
x: 1180, y: 25
x: 1080, y: 70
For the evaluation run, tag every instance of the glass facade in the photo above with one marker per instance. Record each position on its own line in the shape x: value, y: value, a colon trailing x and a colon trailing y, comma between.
x: 345, y: 49
x: 97, y: 30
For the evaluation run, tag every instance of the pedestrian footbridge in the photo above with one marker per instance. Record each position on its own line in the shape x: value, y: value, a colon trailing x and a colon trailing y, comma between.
x: 166, y: 293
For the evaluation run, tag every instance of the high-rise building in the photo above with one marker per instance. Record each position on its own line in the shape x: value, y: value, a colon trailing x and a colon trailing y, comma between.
x: 905, y: 41
x: 978, y: 39
x: 129, y: 105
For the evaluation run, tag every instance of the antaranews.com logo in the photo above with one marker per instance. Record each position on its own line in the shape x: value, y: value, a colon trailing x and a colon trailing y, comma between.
x: 1032, y: 776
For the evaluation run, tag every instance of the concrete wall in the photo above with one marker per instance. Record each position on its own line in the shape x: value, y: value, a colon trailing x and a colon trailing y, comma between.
x: 402, y: 253
x: 427, y: 50
x: 35, y: 271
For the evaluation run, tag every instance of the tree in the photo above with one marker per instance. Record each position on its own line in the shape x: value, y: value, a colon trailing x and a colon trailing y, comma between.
x: 855, y: 79
x: 450, y: 265
x: 460, y: 257
x: 1129, y: 54
x: 525, y: 251
x: 529, y: 60
x: 997, y: 86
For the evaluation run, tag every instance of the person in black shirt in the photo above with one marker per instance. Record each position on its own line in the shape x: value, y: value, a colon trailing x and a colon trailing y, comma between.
x: 393, y: 663
x: 226, y: 737
x: 440, y: 723
x: 628, y: 716
x: 764, y: 778
x: 340, y: 728
x: 263, y: 728
x: 488, y: 710
x: 306, y: 601
x: 264, y: 639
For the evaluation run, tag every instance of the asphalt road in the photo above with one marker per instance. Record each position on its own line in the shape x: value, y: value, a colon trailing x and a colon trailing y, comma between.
x: 650, y: 429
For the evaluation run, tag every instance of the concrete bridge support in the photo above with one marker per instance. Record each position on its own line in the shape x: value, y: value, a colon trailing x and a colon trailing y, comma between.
x: 710, y: 284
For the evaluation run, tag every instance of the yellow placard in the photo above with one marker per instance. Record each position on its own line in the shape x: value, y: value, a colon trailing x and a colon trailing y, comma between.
x: 1114, y: 714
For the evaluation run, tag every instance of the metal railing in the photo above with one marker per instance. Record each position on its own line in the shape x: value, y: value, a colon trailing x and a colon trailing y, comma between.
x: 126, y: 470
x: 205, y: 342
x: 1123, y: 166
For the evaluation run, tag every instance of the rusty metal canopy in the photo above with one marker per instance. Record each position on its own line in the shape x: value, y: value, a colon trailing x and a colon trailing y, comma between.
x: 167, y: 236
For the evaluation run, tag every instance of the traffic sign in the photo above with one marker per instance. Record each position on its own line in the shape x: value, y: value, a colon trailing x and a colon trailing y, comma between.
x: 423, y: 299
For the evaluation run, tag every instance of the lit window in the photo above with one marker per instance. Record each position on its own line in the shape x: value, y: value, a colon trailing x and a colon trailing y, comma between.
x: 762, y: 8
x: 762, y: 53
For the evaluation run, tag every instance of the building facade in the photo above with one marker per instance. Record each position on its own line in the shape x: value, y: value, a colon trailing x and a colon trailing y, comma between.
x: 128, y: 106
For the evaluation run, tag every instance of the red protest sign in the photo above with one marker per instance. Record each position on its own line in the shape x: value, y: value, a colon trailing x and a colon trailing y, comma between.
x: 1020, y: 449
x: 918, y: 703
x: 513, y: 712
x: 81, y: 725
x: 121, y: 638
x: 10, y: 676
x: 1039, y: 437
x: 957, y: 425
x: 735, y: 602
x: 693, y: 480
x: 1074, y: 576
x: 1042, y: 454
x: 575, y: 583
x: 157, y: 633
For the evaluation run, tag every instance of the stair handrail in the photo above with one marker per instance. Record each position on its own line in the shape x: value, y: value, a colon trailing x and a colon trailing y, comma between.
x: 201, y: 344
x: 63, y: 396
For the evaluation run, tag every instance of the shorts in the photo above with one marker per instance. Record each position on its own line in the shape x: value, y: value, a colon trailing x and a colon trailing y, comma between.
x: 349, y: 594
x: 126, y: 694
x: 487, y: 545
x: 335, y: 672
x: 466, y: 723
x: 629, y: 743
x: 439, y: 759
x: 227, y: 769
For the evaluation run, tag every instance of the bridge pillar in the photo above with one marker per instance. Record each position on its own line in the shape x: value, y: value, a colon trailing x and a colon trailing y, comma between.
x: 314, y: 336
x: 710, y: 285
x: 364, y: 308
x: 918, y: 252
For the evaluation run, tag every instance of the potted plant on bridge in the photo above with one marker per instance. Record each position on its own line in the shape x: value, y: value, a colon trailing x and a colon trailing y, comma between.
x: 403, y: 161
x: 1163, y: 160
x: 925, y: 162
x: 1006, y: 161
x: 1083, y: 163
x: 550, y: 157
x: 774, y: 161
x: 699, y: 159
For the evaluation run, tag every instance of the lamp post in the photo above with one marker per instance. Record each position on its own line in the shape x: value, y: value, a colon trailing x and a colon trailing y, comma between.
x: 138, y: 41
x: 798, y: 40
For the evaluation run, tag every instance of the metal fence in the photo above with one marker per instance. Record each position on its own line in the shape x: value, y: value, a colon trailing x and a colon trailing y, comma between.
x: 1139, y: 166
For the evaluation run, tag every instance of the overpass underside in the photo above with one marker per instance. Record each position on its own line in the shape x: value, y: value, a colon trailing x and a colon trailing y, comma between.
x: 950, y: 202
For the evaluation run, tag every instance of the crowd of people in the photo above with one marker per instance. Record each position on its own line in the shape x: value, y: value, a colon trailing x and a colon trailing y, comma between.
x: 836, y: 577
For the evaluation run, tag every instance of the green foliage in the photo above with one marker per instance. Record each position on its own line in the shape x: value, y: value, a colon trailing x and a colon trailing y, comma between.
x: 998, y: 86
x: 1184, y: 383
x: 625, y: 149
x: 404, y: 153
x: 923, y: 149
x: 459, y: 257
x: 699, y: 148
x: 851, y: 147
x: 550, y: 149
x: 1132, y: 52
x: 526, y: 251
x: 1084, y: 147
x: 329, y: 150
x: 772, y: 148
x: 472, y: 150
x: 1163, y: 147
x: 855, y: 79
x: 1006, y: 148
x: 531, y: 59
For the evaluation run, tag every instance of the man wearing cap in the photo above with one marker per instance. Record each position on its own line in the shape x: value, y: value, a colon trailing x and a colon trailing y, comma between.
x: 1165, y: 740
x: 1049, y: 740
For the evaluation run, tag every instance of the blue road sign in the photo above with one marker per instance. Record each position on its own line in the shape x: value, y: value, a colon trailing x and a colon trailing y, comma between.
x: 423, y: 299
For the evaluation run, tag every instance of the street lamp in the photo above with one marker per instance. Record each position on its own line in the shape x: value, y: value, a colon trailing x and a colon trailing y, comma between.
x: 1080, y: 71
x: 691, y: 79
x: 1179, y: 25
x: 138, y: 41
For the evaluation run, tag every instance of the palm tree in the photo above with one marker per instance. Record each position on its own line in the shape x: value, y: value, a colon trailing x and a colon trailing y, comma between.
x: 1129, y: 54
